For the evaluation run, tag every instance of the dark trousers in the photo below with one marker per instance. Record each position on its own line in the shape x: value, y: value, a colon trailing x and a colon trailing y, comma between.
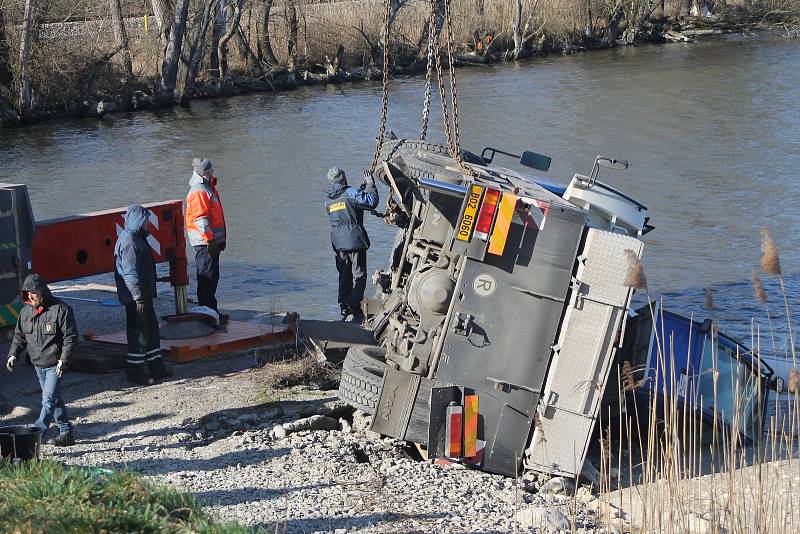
x: 207, y: 276
x: 144, y: 339
x: 352, y: 267
x: 53, y: 408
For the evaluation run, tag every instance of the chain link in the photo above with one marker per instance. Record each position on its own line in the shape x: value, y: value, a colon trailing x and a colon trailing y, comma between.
x: 385, y: 95
x: 453, y: 93
x: 432, y: 36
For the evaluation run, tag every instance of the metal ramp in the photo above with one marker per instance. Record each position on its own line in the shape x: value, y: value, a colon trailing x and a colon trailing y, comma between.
x: 583, y: 354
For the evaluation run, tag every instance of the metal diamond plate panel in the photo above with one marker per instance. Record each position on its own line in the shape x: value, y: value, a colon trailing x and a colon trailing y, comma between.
x: 583, y: 354
x: 606, y: 266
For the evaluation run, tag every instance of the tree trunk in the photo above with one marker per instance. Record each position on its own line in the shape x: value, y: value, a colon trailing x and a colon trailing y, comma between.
x: 222, y: 48
x: 6, y: 74
x: 217, y: 32
x: 516, y: 29
x: 121, y: 36
x: 169, y: 68
x: 686, y: 5
x: 192, y: 53
x: 422, y: 45
x: 162, y: 12
x: 291, y: 43
x: 394, y: 9
x: 24, y: 56
x: 265, y: 52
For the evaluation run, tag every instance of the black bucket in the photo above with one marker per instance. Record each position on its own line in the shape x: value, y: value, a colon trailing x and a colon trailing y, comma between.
x: 20, y: 442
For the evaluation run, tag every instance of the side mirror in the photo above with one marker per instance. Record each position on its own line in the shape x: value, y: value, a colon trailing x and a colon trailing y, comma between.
x: 536, y: 161
x: 778, y: 384
x: 608, y: 163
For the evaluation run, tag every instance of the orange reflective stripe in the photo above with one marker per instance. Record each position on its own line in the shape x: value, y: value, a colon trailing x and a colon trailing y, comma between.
x: 497, y: 243
x: 470, y: 425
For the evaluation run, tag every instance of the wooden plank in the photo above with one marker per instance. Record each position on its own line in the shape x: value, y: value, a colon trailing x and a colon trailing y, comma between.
x: 239, y: 336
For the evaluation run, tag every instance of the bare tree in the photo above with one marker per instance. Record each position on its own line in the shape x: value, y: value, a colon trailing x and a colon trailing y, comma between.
x: 121, y: 36
x: 24, y: 55
x: 217, y: 31
x: 162, y: 11
x: 6, y: 74
x: 192, y: 53
x: 291, y: 43
x: 522, y: 34
x: 222, y: 47
x: 169, y: 67
x: 265, y: 52
x: 685, y: 6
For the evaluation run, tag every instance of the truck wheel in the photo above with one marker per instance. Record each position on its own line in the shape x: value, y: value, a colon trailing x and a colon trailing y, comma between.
x: 410, y: 147
x: 362, y: 374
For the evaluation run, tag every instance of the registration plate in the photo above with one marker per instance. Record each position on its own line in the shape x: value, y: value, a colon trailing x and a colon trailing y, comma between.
x: 470, y: 213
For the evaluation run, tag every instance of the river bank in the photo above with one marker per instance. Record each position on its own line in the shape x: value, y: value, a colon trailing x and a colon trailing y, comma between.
x: 108, y: 90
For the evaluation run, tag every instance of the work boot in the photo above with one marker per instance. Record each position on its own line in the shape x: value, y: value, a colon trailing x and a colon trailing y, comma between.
x: 223, y: 318
x: 64, y: 439
x: 139, y: 374
x: 358, y: 318
x: 158, y: 369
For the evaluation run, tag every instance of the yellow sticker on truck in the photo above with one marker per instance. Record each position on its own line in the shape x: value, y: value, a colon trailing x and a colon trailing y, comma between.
x: 470, y: 213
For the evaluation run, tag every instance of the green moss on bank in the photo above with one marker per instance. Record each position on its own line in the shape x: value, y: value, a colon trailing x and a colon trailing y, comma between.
x: 46, y: 496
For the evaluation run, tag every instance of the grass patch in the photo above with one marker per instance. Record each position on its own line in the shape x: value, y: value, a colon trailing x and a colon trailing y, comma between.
x: 46, y: 496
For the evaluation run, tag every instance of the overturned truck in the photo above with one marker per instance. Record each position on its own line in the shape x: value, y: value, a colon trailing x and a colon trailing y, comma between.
x: 500, y: 309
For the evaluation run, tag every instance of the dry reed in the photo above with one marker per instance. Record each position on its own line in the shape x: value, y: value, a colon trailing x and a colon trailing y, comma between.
x: 770, y: 262
x: 635, y: 277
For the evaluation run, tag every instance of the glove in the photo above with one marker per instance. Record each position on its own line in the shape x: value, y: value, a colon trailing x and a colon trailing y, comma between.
x: 369, y: 179
x: 213, y: 248
x: 139, y: 307
x: 10, y: 363
x: 60, y: 369
x: 222, y: 245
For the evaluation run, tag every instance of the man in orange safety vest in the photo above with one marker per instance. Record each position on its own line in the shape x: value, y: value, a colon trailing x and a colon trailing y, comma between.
x: 205, y: 226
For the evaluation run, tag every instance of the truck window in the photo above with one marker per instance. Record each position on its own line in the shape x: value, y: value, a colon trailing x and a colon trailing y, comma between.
x: 737, y: 388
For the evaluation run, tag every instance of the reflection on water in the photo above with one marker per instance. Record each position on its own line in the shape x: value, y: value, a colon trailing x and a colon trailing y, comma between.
x: 711, y: 130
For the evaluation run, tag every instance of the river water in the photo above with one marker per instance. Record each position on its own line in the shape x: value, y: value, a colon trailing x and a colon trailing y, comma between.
x: 711, y: 129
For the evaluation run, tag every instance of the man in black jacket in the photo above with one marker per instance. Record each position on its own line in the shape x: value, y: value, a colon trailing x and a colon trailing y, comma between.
x: 345, y: 207
x: 46, y: 328
x: 135, y: 275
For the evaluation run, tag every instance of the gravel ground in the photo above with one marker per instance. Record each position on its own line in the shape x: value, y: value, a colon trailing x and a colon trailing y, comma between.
x: 216, y: 431
x: 212, y: 431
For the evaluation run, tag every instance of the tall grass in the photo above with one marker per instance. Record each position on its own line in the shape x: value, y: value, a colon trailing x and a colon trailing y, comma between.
x: 681, y: 474
x: 48, y: 497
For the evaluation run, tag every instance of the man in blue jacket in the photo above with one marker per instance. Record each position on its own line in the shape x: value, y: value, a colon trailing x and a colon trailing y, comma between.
x: 345, y: 207
x: 135, y: 274
x: 46, y: 329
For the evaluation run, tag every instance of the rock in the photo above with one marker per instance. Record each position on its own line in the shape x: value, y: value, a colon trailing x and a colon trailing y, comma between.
x: 557, y: 486
x: 361, y: 421
x: 345, y: 426
x: 315, y: 422
x: 278, y: 432
x: 590, y: 473
x: 248, y: 418
x: 545, y: 519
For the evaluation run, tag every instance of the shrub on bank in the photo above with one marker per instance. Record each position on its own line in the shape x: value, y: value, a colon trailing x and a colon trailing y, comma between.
x: 46, y: 496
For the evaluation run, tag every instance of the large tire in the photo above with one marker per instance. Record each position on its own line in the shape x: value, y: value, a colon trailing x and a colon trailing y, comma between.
x: 362, y: 375
x: 409, y: 147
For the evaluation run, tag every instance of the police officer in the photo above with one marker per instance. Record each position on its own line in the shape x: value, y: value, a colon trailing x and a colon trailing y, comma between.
x: 345, y: 207
x: 46, y: 328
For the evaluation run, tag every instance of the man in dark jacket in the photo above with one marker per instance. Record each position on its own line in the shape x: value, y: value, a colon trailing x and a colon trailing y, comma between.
x: 345, y: 207
x: 135, y: 274
x: 46, y: 328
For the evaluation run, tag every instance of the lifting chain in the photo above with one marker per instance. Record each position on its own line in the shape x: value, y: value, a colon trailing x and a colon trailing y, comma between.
x: 432, y: 37
x: 385, y: 95
x: 453, y: 136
